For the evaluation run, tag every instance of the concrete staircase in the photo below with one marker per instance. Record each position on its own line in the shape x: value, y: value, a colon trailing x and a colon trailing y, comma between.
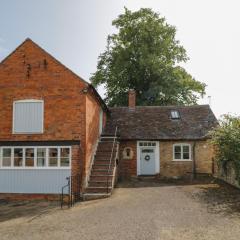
x: 103, y: 172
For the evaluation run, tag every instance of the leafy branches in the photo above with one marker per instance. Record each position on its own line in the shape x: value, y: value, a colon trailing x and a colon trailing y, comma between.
x: 144, y: 55
x: 227, y: 140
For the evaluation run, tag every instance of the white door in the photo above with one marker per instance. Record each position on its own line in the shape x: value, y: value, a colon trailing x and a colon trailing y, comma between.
x: 147, y: 161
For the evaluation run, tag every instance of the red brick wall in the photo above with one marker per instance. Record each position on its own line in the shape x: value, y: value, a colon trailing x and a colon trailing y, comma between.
x: 128, y: 167
x: 64, y: 104
x: 132, y: 98
x: 92, y: 128
x: 77, y: 163
x: 31, y: 73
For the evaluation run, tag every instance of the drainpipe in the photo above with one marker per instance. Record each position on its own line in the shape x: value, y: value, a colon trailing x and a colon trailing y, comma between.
x: 193, y: 161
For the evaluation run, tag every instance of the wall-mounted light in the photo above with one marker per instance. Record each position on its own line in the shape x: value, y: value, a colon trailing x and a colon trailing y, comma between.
x: 84, y: 90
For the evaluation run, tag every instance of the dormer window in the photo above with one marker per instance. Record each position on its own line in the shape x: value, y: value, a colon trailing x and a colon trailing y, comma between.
x: 175, y: 114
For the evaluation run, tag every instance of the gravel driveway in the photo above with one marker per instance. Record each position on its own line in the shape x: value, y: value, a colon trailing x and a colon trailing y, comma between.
x: 138, y: 211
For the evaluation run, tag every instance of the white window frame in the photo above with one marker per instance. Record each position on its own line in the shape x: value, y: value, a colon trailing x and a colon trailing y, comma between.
x: 35, y: 157
x: 27, y: 101
x: 182, y: 145
x: 175, y: 114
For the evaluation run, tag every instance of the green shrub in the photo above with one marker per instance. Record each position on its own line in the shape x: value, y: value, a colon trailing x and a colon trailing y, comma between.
x: 226, y: 138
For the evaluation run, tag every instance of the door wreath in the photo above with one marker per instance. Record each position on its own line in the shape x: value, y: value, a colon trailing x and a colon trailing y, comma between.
x: 147, y: 158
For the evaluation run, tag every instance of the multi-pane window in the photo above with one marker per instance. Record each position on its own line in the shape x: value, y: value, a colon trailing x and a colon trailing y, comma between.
x: 64, y: 157
x: 53, y: 157
x: 41, y: 157
x: 18, y: 157
x: 29, y: 157
x: 178, y: 152
x: 37, y: 157
x: 6, y: 157
x: 181, y: 152
x: 149, y: 144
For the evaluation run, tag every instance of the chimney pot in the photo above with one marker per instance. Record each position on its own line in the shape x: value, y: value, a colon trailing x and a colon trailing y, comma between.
x: 131, y: 98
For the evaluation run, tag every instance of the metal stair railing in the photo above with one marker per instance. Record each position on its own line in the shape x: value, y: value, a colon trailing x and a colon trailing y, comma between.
x: 110, y: 162
x: 73, y: 192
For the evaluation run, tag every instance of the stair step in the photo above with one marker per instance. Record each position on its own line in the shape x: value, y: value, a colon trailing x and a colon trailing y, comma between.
x: 101, y: 177
x: 104, y: 143
x: 100, y: 183
x: 98, y: 190
x: 97, y: 158
x: 94, y: 196
x: 107, y: 162
x: 107, y: 145
x: 102, y: 167
x: 96, y: 172
x: 101, y: 164
x: 104, y: 155
x: 105, y: 152
x: 107, y: 139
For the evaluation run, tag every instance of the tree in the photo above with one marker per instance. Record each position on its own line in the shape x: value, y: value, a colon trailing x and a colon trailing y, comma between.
x: 226, y: 138
x: 144, y: 55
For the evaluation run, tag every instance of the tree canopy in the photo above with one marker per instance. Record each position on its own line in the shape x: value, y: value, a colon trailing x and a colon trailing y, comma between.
x: 144, y: 55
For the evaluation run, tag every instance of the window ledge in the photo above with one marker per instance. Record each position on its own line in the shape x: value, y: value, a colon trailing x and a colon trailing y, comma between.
x: 35, y: 168
x: 27, y: 133
x: 182, y: 160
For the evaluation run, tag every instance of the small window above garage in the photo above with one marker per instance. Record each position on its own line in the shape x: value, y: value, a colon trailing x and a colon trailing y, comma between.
x: 175, y: 114
x: 28, y: 117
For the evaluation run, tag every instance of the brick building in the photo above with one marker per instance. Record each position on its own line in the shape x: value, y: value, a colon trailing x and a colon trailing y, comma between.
x: 54, y: 124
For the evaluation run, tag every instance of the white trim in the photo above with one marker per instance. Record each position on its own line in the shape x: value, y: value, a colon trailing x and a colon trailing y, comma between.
x: 100, y: 121
x: 181, y: 145
x: 175, y: 114
x: 157, y: 156
x: 35, y: 157
x: 28, y: 101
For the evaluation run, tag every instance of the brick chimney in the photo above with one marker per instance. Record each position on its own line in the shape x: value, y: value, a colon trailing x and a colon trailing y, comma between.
x: 131, y: 98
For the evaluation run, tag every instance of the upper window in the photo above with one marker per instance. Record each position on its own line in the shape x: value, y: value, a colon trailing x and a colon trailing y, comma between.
x: 175, y: 114
x: 28, y: 116
x: 181, y: 152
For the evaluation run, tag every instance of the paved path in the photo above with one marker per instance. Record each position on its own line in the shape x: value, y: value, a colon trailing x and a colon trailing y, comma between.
x: 144, y: 211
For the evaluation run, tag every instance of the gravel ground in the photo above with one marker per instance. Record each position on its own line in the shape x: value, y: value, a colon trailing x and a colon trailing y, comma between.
x: 135, y: 211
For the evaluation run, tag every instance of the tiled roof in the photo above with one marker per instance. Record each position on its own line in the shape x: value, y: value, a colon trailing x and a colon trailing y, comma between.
x: 155, y: 123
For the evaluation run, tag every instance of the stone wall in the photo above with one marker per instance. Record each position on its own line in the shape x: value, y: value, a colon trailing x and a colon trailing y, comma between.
x: 228, y: 175
x: 203, y: 159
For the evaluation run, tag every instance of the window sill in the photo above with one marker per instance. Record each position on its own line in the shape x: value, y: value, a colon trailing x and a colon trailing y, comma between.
x: 27, y: 133
x: 35, y: 168
x: 182, y: 160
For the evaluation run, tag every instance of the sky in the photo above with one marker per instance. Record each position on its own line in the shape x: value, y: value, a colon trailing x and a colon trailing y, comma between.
x: 75, y: 32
